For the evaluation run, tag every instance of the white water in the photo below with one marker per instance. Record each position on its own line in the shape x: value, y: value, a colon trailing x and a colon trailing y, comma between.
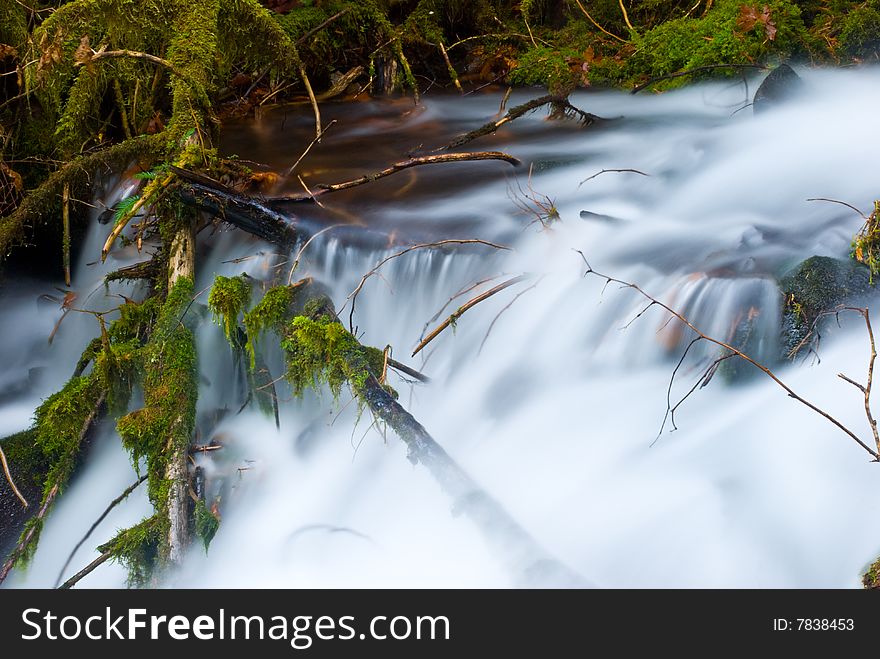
x: 557, y: 413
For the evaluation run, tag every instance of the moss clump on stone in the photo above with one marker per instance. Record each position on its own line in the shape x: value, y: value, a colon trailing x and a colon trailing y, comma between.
x: 815, y: 286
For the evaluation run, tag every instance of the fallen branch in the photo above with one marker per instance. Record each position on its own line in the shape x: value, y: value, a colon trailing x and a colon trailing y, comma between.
x: 237, y: 209
x: 875, y: 454
x: 454, y: 316
x: 131, y: 488
x: 88, y: 569
x: 10, y: 480
x: 323, y: 189
x: 524, y: 557
x: 352, y: 297
x: 85, y: 55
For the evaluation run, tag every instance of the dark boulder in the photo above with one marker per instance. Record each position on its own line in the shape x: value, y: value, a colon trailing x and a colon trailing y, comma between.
x: 815, y: 286
x: 782, y: 84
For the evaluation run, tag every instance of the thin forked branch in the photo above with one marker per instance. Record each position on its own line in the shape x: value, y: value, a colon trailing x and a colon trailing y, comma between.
x: 454, y: 316
x: 874, y: 453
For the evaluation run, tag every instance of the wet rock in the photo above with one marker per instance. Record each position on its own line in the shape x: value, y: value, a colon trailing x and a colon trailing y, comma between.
x: 782, y: 84
x: 815, y: 286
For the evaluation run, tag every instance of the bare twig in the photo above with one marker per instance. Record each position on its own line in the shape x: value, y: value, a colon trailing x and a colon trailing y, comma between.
x: 842, y: 203
x: 131, y: 488
x: 398, y: 167
x: 88, y: 569
x: 305, y: 37
x: 626, y: 16
x: 303, y: 249
x: 608, y: 171
x: 875, y: 454
x: 352, y: 297
x: 10, y: 480
x: 463, y: 308
x: 292, y: 168
x: 505, y: 308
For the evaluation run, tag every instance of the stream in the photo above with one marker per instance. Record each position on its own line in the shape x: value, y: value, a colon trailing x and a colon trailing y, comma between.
x: 551, y: 393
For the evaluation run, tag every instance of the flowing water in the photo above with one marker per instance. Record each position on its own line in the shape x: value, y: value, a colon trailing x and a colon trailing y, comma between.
x: 556, y: 410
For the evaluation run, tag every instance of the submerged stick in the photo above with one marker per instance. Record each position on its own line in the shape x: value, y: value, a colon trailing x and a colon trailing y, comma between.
x: 399, y: 167
x: 516, y: 113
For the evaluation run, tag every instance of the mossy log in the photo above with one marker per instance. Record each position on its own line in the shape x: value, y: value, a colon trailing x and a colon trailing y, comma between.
x: 319, y: 350
x: 241, y: 211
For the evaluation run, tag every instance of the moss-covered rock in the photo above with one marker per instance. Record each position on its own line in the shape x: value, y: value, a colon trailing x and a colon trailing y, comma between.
x: 815, y: 286
x: 871, y: 579
x: 860, y: 33
x: 732, y: 32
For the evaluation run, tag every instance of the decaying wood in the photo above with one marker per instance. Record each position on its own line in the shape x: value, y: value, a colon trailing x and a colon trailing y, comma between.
x: 181, y: 263
x: 48, y: 500
x: 245, y: 213
x: 325, y: 188
x: 148, y: 270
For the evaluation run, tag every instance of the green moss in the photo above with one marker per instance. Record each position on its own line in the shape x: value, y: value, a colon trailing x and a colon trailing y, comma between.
x: 26, y: 458
x: 205, y: 522
x: 866, y: 243
x: 860, y: 33
x: 550, y: 67
x: 871, y: 579
x: 315, y: 352
x: 270, y: 313
x: 165, y: 425
x: 815, y: 286
x: 137, y: 548
x: 229, y: 297
x: 733, y: 32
